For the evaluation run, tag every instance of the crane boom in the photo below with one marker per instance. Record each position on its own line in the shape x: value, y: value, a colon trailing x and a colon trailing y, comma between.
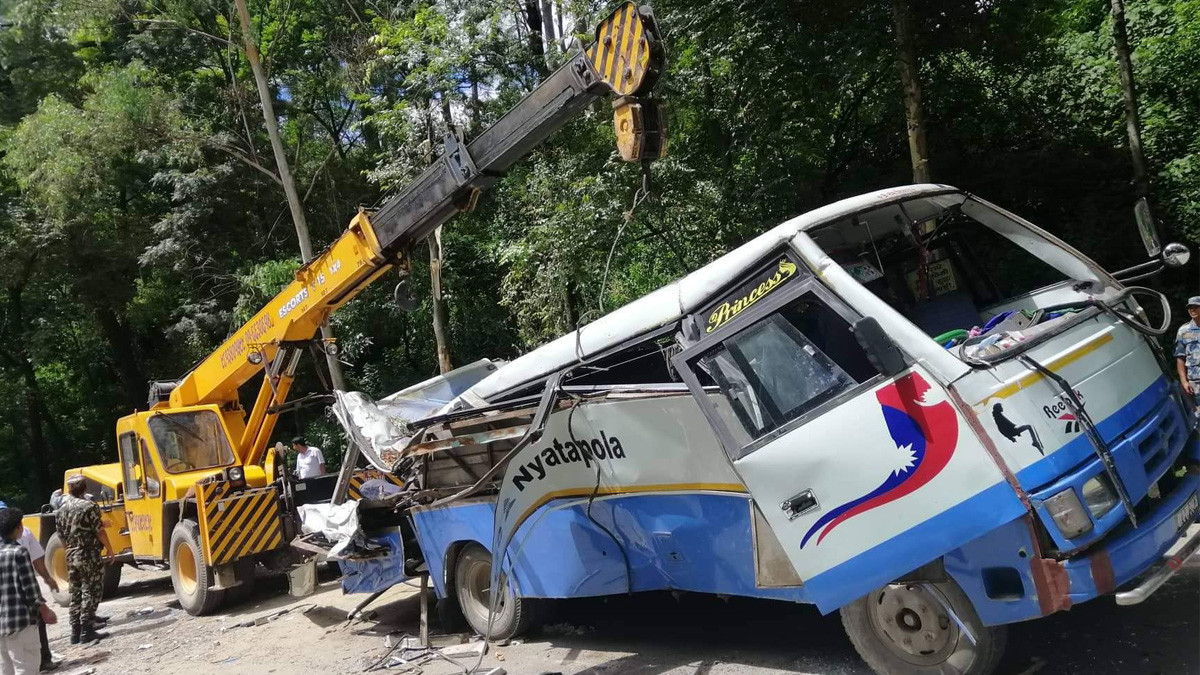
x: 625, y: 60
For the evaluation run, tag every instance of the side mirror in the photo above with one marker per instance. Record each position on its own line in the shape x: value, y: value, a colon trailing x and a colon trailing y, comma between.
x: 1176, y: 255
x: 881, y: 351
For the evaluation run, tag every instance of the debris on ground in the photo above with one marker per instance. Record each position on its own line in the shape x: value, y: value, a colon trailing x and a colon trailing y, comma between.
x: 464, y: 650
x: 271, y: 616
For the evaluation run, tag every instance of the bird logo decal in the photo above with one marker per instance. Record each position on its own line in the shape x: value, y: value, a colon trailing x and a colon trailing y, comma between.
x: 925, y: 436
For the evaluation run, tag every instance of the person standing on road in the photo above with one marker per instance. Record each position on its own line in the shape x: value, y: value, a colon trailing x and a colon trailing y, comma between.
x: 1187, y: 350
x: 38, y: 555
x: 79, y: 523
x: 309, y: 460
x: 21, y: 603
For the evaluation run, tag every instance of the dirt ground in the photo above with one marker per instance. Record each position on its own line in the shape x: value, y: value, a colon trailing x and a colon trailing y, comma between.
x: 651, y: 634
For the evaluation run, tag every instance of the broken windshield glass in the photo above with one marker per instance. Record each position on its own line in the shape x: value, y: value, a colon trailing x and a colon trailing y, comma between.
x: 963, y: 272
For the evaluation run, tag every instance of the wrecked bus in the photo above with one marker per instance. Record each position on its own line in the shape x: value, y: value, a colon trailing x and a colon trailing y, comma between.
x: 911, y: 406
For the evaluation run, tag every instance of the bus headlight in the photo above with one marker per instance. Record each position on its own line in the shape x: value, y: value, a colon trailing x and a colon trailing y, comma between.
x: 1068, y: 513
x: 1098, y: 496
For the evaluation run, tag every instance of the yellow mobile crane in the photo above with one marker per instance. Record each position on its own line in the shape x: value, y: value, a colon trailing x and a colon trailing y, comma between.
x: 196, y: 486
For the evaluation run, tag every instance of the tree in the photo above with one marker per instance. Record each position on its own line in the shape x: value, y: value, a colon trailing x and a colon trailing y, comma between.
x: 338, y: 380
x: 910, y: 78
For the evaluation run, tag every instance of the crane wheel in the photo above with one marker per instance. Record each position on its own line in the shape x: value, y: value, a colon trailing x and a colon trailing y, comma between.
x: 56, y: 565
x: 190, y: 575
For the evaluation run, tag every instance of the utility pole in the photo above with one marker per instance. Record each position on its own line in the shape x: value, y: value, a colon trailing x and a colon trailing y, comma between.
x: 906, y: 59
x: 285, y: 172
x: 1133, y: 122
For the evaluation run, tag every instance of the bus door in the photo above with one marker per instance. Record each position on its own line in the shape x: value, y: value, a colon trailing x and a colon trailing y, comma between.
x: 862, y: 475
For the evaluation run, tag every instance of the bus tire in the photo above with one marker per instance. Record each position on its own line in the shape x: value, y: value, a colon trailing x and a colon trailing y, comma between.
x: 191, y: 577
x: 56, y: 565
x: 472, y: 585
x: 904, y: 629
x: 450, y: 615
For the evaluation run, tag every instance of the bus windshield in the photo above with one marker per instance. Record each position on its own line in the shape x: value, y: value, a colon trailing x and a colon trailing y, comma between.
x: 189, y: 441
x: 967, y: 274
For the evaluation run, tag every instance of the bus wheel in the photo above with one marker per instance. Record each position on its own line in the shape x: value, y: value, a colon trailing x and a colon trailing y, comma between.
x: 910, y: 628
x: 190, y: 575
x: 472, y: 585
x: 56, y: 565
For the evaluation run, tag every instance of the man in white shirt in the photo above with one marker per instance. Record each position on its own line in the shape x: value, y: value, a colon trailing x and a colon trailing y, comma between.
x: 309, y: 460
x: 38, y: 555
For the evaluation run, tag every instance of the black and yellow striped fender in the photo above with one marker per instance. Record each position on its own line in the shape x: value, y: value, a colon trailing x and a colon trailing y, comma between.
x: 237, y: 524
x: 360, y: 476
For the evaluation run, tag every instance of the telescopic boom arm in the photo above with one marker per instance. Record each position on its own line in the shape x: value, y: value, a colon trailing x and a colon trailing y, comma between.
x: 625, y: 60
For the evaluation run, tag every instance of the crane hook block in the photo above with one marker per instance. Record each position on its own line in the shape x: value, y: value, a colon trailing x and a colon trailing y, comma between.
x: 641, y: 130
x: 628, y: 52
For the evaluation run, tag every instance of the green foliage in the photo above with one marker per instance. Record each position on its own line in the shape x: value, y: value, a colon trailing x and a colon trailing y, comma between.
x: 141, y: 222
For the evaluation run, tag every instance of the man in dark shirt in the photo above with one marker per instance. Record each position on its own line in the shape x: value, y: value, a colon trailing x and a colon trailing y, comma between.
x: 20, y: 601
x: 79, y: 524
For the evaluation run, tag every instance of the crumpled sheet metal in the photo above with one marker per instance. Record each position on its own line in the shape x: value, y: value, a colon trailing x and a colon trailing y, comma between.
x: 380, y: 428
x: 337, y: 522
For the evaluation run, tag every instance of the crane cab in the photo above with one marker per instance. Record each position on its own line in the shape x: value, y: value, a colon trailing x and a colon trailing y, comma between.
x: 190, y: 501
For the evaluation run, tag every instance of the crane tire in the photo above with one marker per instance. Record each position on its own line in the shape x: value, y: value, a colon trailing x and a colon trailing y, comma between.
x: 191, y: 577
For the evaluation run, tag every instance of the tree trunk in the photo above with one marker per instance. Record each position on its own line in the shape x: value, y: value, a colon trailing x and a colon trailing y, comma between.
x: 41, y: 453
x: 563, y: 41
x: 533, y: 19
x: 906, y: 59
x: 1133, y: 122
x: 120, y: 343
x: 440, y: 321
x: 337, y: 378
x: 548, y: 27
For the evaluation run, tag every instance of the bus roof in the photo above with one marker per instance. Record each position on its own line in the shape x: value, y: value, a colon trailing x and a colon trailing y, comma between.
x: 673, y: 301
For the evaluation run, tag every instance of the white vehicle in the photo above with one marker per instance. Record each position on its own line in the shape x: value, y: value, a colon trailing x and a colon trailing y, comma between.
x: 910, y: 406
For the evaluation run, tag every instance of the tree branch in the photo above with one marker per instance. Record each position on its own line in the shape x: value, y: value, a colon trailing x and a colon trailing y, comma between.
x: 176, y: 24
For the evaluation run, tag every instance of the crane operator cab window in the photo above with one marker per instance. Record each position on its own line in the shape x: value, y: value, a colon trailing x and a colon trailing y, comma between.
x: 190, y: 441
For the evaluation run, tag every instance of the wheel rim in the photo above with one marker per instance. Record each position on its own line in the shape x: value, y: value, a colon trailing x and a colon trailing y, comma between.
x: 476, y: 590
x: 913, y: 623
x: 185, y: 565
x: 58, y: 567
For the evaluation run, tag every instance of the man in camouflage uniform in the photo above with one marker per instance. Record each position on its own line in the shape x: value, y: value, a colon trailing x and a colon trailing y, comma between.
x: 78, y: 523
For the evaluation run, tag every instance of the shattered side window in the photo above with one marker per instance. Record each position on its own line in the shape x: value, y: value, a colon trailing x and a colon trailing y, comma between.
x: 784, y: 367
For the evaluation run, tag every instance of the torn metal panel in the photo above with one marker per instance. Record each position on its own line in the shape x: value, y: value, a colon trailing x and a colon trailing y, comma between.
x: 380, y: 428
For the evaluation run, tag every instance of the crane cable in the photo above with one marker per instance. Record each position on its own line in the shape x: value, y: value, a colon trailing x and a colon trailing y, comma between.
x: 640, y: 195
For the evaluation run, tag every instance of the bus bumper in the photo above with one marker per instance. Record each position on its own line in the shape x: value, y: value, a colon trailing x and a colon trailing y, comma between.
x: 1162, y: 536
x: 1165, y: 569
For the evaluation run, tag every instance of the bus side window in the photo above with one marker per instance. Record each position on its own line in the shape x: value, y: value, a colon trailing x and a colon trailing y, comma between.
x: 784, y: 367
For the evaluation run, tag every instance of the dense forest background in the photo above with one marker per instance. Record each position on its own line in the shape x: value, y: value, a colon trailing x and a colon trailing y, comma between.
x: 142, y: 216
